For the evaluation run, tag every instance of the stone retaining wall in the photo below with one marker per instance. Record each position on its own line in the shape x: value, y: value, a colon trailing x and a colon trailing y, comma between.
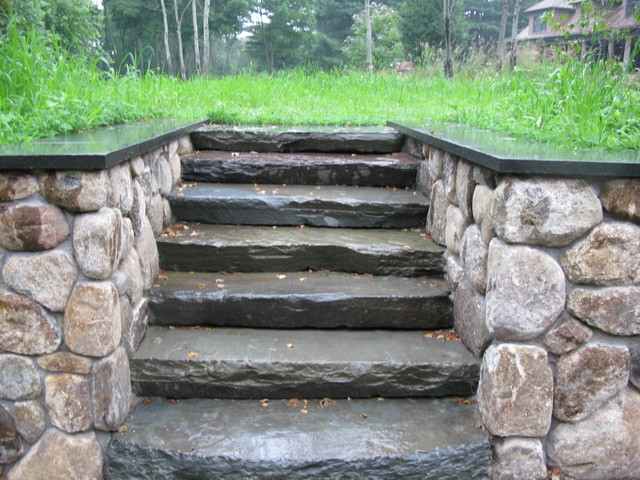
x: 77, y: 254
x: 546, y: 287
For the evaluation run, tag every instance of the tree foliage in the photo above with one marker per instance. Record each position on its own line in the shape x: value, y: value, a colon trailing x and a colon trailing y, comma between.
x: 387, y: 45
x: 421, y: 24
x: 76, y: 25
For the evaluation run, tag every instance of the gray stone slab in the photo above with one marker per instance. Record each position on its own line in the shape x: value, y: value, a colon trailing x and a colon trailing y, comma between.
x: 95, y: 149
x: 299, y: 300
x: 504, y: 154
x: 391, y: 170
x: 258, y: 363
x: 327, y: 206
x: 212, y: 248
x: 303, y: 139
x: 415, y: 439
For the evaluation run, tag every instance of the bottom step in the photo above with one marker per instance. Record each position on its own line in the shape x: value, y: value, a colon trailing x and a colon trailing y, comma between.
x: 373, y: 439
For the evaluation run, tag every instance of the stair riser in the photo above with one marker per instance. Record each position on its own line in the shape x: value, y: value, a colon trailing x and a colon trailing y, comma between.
x: 192, y: 308
x: 231, y: 211
x: 206, y: 258
x: 289, y: 141
x: 229, y: 171
x: 128, y: 462
x: 243, y: 379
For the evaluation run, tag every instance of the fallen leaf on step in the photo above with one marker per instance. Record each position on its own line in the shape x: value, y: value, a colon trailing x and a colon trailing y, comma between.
x: 463, y: 401
x: 123, y: 429
x: 303, y: 410
x: 193, y: 234
x: 235, y: 154
x: 155, y: 285
x: 147, y: 401
x: 163, y: 277
x: 281, y: 277
x: 220, y: 285
x: 364, y: 415
x: 219, y: 280
x: 157, y: 341
x: 265, y: 402
x: 325, y: 402
x: 294, y: 402
x: 175, y: 400
x: 441, y: 335
x: 302, y: 226
x: 426, y: 236
x: 380, y: 399
x: 302, y: 279
x: 406, y: 246
x: 191, y: 354
x: 290, y: 345
x: 202, y: 285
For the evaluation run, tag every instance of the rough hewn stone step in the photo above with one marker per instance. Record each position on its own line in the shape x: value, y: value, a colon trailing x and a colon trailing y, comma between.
x: 308, y: 139
x: 212, y: 248
x: 258, y: 363
x: 328, y: 206
x: 300, y: 300
x: 408, y: 439
x: 392, y: 170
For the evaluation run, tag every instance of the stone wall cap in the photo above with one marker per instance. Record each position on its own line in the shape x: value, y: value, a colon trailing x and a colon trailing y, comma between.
x: 504, y: 154
x: 96, y: 149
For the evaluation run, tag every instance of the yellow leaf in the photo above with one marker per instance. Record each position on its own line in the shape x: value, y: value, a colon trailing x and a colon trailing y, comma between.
x: 191, y: 354
x: 303, y: 410
x: 123, y: 429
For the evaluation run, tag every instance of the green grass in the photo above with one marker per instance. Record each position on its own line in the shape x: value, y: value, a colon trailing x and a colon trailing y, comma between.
x: 45, y: 92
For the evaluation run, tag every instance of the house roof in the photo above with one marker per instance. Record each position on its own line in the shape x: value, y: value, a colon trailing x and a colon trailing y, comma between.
x: 549, y: 5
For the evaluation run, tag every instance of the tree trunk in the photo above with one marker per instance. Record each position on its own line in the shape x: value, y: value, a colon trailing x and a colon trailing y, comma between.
x: 166, y: 37
x: 514, y: 34
x: 183, y: 70
x: 369, y: 37
x: 206, y: 40
x: 448, y: 57
x: 196, y: 36
x: 502, y: 33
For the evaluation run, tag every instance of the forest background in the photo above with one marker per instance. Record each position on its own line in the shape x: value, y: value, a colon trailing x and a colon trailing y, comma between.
x: 68, y: 65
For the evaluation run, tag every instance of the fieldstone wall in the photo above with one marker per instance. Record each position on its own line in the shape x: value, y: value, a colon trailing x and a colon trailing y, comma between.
x: 77, y: 254
x: 546, y: 288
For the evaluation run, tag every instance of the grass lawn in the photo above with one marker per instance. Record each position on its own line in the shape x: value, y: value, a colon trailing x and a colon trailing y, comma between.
x: 44, y: 93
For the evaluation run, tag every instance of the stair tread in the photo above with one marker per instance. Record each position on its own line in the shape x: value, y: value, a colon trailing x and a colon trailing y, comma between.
x: 397, y: 169
x: 260, y: 248
x: 321, y: 206
x: 411, y: 439
x: 300, y: 299
x: 302, y: 193
x: 246, y: 363
x: 299, y: 139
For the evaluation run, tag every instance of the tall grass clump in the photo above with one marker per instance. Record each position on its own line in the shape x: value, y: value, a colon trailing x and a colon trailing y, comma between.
x: 576, y: 104
x: 46, y: 91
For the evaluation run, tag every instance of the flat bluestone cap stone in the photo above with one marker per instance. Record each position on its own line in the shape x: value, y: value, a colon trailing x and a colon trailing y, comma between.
x: 505, y: 154
x: 96, y: 149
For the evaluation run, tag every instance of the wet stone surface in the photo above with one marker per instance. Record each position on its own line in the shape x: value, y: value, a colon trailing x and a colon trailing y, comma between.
x: 258, y: 363
x: 417, y: 439
x: 348, y: 140
x: 265, y: 249
x: 300, y: 169
x: 327, y: 206
x: 300, y: 300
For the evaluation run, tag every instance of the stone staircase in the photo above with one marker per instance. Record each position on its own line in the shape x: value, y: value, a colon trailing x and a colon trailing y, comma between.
x: 292, y: 329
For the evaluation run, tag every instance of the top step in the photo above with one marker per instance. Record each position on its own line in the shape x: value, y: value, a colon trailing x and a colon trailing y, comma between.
x: 306, y: 139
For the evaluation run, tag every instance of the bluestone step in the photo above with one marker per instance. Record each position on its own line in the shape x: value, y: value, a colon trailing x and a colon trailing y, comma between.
x: 393, y: 439
x: 212, y: 248
x: 258, y: 363
x: 326, y: 206
x: 391, y: 170
x: 299, y: 300
x: 306, y: 139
